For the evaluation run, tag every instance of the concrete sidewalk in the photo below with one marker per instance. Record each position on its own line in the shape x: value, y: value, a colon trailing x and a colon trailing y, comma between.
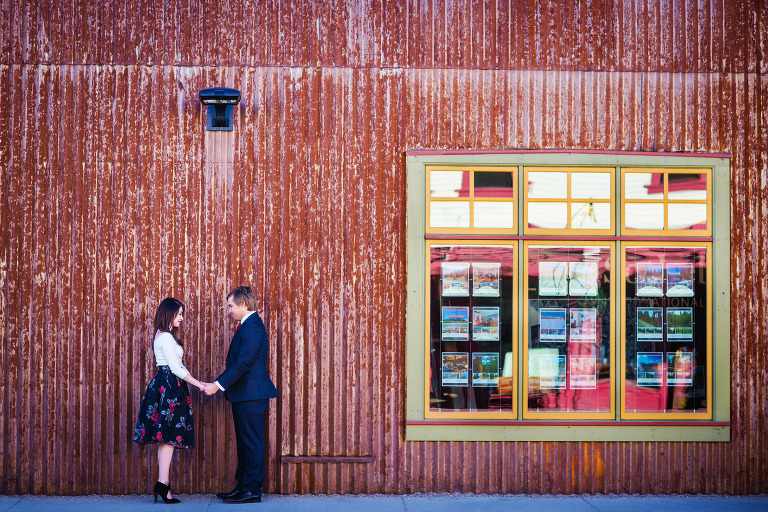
x: 390, y: 503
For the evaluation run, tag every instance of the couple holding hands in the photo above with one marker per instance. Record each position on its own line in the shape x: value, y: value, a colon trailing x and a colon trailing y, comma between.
x: 165, y: 413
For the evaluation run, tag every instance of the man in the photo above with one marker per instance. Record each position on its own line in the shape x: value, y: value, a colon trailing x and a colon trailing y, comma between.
x: 246, y: 384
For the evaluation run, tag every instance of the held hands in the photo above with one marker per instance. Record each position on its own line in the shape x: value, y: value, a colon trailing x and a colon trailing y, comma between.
x: 210, y: 389
x: 202, y: 385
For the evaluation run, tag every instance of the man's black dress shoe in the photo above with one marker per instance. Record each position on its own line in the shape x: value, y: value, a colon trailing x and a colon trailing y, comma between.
x: 231, y: 494
x: 244, y: 497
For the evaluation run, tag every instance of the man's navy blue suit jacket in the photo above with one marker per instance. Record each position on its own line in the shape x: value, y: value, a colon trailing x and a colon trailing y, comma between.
x: 245, y: 377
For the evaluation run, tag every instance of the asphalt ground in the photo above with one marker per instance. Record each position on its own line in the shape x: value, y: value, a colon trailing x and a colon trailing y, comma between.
x: 397, y: 503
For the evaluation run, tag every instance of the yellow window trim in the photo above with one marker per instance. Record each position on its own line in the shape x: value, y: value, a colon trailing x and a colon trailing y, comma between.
x: 666, y: 232
x: 666, y: 415
x: 569, y: 201
x: 470, y: 200
x: 611, y: 414
x: 480, y: 425
x: 428, y: 413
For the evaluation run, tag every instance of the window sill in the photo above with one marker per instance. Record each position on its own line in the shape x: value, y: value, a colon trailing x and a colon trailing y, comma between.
x: 548, y: 430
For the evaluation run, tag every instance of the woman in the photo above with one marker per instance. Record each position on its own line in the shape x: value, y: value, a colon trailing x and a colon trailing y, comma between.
x: 165, y: 413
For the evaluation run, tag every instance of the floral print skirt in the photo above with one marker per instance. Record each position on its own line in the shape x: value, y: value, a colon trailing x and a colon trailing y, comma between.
x: 165, y: 413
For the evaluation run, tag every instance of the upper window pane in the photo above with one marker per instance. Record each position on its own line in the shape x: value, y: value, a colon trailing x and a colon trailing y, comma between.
x: 687, y: 186
x: 547, y: 185
x: 494, y: 184
x: 472, y: 200
x: 449, y: 183
x: 674, y: 201
x: 644, y: 185
x: 591, y: 185
x: 576, y: 199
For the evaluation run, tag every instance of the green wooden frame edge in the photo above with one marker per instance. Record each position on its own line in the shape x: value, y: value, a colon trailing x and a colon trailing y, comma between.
x: 414, y: 332
x: 721, y: 290
x: 624, y: 433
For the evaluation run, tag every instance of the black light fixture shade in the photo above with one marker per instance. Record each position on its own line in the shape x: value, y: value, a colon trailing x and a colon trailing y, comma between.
x: 220, y: 101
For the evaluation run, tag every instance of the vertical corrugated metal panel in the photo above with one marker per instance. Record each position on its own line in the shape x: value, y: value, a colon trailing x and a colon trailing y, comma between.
x: 669, y: 36
x: 113, y: 196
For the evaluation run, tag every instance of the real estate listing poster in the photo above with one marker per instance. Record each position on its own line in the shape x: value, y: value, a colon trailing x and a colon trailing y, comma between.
x: 456, y: 369
x: 650, y: 280
x: 485, y: 324
x: 552, y: 325
x: 679, y: 324
x: 680, y: 368
x: 583, y: 325
x: 583, y: 372
x: 650, y: 324
x: 455, y: 323
x: 485, y: 279
x: 679, y: 280
x: 552, y: 372
x: 583, y: 278
x: 553, y: 278
x: 534, y: 363
x: 649, y: 368
x: 485, y: 369
x: 455, y: 279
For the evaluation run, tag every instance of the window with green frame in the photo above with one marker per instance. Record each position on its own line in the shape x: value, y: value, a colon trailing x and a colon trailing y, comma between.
x: 567, y: 296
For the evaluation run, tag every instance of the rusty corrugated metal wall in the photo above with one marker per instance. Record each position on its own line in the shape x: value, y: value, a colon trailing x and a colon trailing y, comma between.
x: 112, y: 196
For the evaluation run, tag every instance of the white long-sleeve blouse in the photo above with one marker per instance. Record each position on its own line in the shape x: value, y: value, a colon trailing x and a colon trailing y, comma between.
x: 169, y: 353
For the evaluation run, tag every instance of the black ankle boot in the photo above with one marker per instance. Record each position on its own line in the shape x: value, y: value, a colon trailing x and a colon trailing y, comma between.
x: 162, y: 490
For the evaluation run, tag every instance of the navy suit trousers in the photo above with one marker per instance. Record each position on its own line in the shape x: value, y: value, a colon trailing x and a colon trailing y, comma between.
x: 249, y: 434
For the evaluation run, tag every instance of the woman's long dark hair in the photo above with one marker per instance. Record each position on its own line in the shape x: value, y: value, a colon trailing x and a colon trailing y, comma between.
x: 166, y: 313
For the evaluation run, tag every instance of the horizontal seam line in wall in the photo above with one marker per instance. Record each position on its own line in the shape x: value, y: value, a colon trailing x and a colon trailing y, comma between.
x: 394, y: 68
x: 320, y: 459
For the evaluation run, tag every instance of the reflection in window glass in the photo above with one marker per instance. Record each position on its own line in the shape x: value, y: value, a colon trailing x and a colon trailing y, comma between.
x: 494, y: 214
x: 687, y: 216
x: 640, y: 185
x: 687, y: 186
x: 666, y: 329
x: 569, y: 329
x: 591, y: 185
x: 548, y: 215
x: 494, y: 184
x: 591, y: 215
x: 471, y: 328
x: 449, y: 214
x: 644, y: 215
x: 449, y: 183
x: 548, y: 185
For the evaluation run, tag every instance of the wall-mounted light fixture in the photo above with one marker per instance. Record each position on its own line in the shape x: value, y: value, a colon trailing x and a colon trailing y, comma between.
x: 220, y: 101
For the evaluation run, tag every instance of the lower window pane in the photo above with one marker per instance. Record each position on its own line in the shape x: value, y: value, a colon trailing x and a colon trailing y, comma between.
x: 547, y: 215
x: 449, y: 214
x: 644, y: 215
x: 591, y: 215
x: 666, y: 329
x: 569, y: 329
x: 471, y: 328
x: 494, y: 214
x: 687, y: 216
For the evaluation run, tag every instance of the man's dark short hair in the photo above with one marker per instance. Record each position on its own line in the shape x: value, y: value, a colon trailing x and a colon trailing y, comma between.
x: 243, y: 295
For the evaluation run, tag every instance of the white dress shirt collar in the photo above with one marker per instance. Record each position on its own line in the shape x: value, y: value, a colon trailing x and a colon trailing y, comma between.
x: 246, y: 316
